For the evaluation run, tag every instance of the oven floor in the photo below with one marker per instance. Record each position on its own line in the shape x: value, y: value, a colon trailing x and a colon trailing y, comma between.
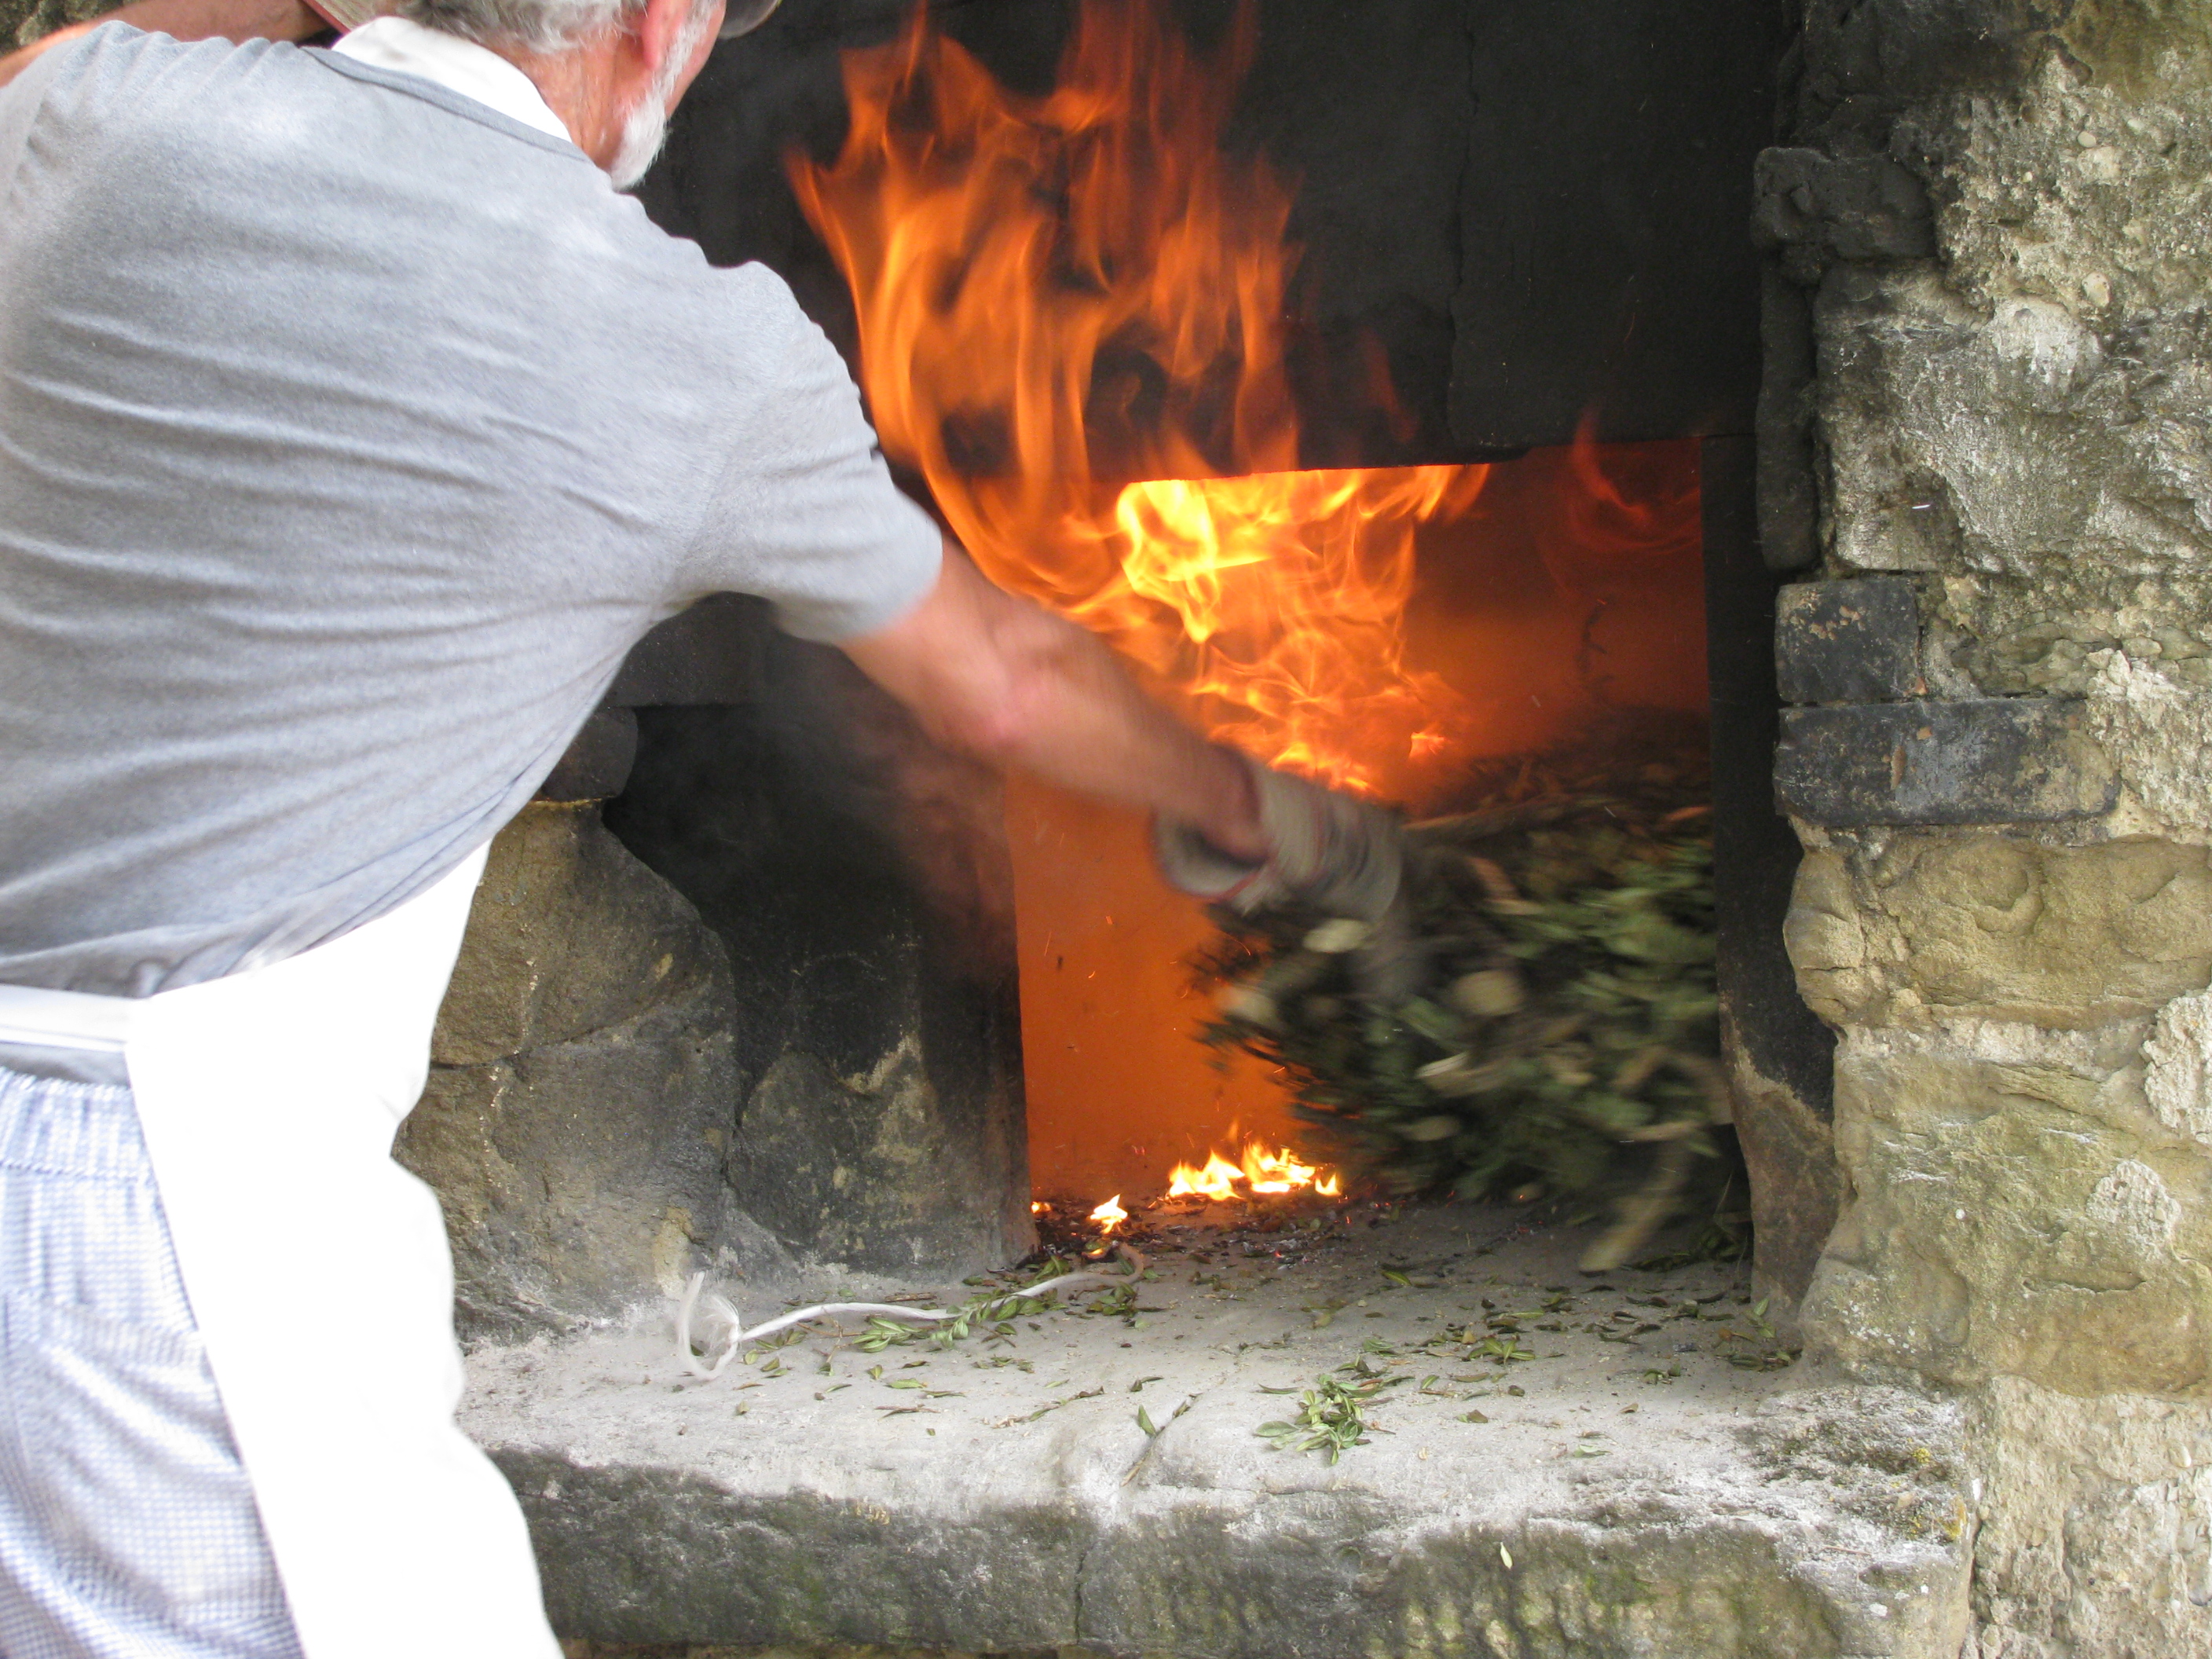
x: 1657, y: 1479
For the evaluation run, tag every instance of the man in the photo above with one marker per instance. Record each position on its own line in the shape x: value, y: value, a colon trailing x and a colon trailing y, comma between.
x: 352, y: 427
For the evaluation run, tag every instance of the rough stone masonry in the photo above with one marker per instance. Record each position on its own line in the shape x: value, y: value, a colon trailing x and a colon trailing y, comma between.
x: 1983, y: 459
x: 1995, y: 219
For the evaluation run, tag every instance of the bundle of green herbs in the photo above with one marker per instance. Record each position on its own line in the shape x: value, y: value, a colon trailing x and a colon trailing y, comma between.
x: 1550, y: 1030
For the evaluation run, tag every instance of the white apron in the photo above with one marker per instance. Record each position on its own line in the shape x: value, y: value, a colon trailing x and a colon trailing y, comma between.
x: 319, y: 1277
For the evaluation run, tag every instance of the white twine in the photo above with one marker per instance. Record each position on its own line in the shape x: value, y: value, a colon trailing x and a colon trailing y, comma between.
x: 739, y: 1336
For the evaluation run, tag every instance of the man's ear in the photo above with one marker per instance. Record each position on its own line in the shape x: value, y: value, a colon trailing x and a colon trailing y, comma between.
x: 656, y: 29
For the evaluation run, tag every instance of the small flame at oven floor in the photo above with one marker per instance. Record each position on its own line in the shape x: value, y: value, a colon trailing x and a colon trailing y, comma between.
x: 1264, y: 1188
x: 1261, y: 1172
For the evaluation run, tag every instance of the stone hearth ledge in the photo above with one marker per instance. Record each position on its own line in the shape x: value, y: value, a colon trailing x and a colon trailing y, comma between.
x: 1614, y: 1507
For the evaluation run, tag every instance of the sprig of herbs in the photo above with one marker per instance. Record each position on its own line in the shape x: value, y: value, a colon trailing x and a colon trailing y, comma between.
x: 1329, y: 1418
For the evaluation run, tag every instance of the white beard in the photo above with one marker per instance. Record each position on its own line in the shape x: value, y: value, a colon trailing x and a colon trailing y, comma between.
x: 644, y: 129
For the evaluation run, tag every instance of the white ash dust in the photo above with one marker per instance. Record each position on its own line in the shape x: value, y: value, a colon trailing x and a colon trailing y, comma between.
x: 1462, y: 1308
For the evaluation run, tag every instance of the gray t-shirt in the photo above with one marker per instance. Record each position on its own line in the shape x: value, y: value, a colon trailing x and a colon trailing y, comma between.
x: 350, y: 433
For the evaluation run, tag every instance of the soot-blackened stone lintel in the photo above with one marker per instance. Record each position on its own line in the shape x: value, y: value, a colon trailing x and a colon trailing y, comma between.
x: 1994, y: 760
x: 1366, y: 109
x: 1539, y: 215
x: 1607, y: 279
x: 1849, y: 641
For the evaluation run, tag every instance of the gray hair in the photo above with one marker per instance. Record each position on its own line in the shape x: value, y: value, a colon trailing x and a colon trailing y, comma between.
x: 542, y: 26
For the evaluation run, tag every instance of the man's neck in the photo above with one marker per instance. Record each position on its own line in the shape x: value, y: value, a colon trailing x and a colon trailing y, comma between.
x: 577, y: 86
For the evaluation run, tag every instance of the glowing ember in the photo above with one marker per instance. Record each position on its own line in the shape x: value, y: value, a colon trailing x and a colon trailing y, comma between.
x: 1038, y: 1207
x: 1058, y: 295
x: 1262, y: 1171
x: 1111, y: 1214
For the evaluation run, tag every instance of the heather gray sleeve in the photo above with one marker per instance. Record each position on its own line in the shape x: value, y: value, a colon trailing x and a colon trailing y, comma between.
x: 805, y: 514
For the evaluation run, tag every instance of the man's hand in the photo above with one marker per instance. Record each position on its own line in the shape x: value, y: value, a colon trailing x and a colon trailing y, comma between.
x: 1010, y: 683
x: 187, y: 19
x: 1326, y: 849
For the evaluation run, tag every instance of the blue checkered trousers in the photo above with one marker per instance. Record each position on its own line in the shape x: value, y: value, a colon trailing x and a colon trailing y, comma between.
x: 127, y: 1526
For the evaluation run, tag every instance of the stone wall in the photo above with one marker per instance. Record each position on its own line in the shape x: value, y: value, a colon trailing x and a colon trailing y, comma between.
x: 583, y: 1100
x: 763, y: 1026
x: 22, y: 21
x: 1993, y: 216
x: 858, y: 876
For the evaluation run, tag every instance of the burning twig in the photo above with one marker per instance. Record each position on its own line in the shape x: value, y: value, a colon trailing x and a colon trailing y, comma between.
x: 1262, y: 1172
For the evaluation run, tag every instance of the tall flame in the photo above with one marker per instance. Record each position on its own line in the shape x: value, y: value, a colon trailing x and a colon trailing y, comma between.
x: 1065, y: 300
x: 1072, y: 325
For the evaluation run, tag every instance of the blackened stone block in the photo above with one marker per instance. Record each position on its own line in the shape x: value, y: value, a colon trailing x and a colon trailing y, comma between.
x: 1789, y: 494
x: 859, y: 877
x: 1861, y: 207
x: 1864, y: 57
x: 1996, y: 760
x: 708, y: 655
x: 582, y: 1095
x: 1849, y: 641
x: 1780, y: 1057
x: 597, y: 762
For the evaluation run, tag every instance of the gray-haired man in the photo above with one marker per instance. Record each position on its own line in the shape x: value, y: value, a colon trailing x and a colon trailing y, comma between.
x: 352, y: 428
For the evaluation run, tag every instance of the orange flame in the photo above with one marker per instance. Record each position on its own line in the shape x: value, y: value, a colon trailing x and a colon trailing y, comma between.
x: 1630, y: 506
x: 1217, y: 1180
x: 1059, y: 294
x: 1111, y: 1214
x: 1292, y: 587
x: 1071, y: 311
x: 1262, y: 1171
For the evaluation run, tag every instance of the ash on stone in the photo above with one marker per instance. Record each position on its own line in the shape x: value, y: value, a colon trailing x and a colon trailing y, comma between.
x: 1016, y: 1501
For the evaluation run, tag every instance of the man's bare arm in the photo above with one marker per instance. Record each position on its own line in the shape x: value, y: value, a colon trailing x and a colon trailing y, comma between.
x: 187, y: 19
x: 1005, y: 680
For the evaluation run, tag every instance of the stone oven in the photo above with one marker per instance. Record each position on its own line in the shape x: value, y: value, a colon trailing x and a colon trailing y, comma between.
x: 1527, y: 244
x: 1924, y: 280
x: 1918, y: 287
